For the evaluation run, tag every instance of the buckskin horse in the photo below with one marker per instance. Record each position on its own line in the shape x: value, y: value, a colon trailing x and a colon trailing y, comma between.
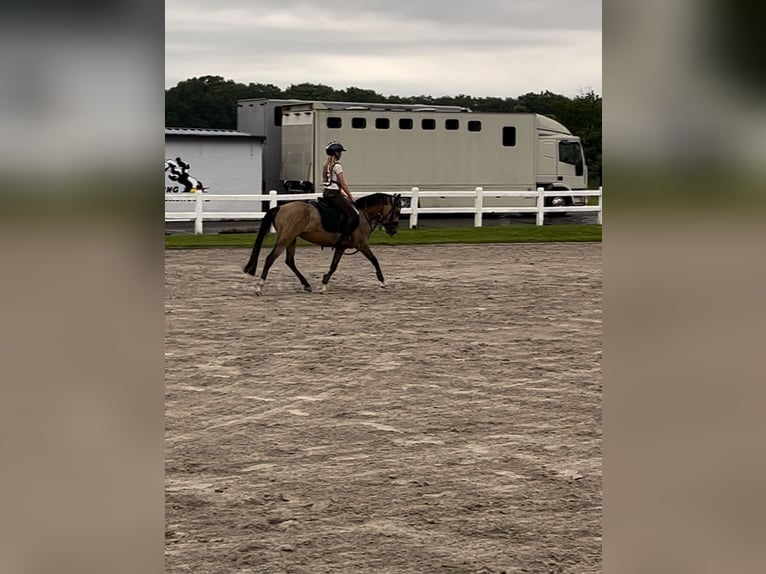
x: 318, y: 223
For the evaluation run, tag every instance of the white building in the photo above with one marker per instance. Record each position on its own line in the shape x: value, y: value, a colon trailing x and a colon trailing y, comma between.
x: 213, y: 161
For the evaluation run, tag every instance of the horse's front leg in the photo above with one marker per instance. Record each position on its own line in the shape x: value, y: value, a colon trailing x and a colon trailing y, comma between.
x: 367, y: 252
x: 290, y: 260
x: 333, y: 266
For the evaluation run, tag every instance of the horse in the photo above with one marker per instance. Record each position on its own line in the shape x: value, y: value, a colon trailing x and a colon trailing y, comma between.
x: 305, y: 219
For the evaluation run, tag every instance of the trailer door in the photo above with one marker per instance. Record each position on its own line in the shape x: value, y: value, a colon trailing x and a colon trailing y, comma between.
x: 297, y: 151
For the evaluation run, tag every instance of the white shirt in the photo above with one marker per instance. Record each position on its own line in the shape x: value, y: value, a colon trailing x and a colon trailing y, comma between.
x: 336, y: 170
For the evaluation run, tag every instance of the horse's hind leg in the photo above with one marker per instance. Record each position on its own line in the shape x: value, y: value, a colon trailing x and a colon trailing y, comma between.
x: 333, y: 266
x: 290, y: 260
x: 270, y: 258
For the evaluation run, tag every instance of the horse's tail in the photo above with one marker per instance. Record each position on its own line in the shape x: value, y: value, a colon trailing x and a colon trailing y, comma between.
x: 268, y: 220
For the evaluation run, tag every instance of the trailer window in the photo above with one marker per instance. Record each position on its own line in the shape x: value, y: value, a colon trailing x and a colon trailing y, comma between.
x: 359, y: 123
x: 428, y: 124
x: 334, y: 123
x: 405, y: 124
x: 277, y: 115
x: 474, y: 126
x: 382, y: 123
x: 509, y: 136
x: 452, y: 124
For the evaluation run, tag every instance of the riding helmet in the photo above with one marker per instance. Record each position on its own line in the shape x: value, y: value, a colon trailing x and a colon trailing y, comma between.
x: 334, y: 147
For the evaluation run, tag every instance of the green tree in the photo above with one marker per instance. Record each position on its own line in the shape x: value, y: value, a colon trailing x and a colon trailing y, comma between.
x: 307, y: 91
x: 584, y: 120
x: 210, y: 101
x: 353, y: 94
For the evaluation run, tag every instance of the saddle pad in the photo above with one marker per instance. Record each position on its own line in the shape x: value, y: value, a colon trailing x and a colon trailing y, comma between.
x: 330, y: 215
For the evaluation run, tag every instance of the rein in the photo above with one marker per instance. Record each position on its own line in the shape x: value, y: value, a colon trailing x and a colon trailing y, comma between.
x: 377, y: 221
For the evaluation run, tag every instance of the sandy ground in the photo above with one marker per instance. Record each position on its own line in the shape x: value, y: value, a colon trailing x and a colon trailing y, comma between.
x: 450, y: 423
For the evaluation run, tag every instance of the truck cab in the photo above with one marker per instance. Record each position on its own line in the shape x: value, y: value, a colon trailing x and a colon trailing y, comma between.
x: 560, y: 161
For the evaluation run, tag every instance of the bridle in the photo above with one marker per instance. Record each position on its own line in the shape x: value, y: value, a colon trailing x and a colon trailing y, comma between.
x: 391, y: 219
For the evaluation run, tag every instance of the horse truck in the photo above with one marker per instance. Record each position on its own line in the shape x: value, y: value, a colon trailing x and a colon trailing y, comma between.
x: 432, y: 148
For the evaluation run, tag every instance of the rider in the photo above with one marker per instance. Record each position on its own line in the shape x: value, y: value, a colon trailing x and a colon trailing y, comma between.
x: 336, y: 189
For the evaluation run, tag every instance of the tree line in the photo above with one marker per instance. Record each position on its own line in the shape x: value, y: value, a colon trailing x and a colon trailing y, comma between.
x: 211, y: 102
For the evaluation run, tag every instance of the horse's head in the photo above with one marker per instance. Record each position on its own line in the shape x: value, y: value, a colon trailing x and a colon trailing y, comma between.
x: 389, y: 214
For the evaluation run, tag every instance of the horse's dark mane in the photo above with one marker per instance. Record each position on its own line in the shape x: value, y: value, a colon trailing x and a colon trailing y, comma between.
x: 371, y: 200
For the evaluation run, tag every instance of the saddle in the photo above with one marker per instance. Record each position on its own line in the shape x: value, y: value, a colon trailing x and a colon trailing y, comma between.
x: 333, y: 219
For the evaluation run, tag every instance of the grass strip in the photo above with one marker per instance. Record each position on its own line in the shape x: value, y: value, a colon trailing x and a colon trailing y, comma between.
x: 423, y: 236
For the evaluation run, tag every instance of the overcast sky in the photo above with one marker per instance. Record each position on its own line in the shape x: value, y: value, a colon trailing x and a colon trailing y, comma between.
x: 481, y: 48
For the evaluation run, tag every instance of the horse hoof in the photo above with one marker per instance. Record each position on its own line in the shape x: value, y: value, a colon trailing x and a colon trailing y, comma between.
x: 323, y: 288
x: 308, y: 288
x: 383, y: 285
x: 257, y: 292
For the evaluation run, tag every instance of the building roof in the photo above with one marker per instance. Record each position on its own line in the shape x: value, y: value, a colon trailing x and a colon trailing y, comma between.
x: 210, y: 132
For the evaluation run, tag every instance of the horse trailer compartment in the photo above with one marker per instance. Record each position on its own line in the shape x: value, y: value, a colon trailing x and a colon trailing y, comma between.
x: 433, y: 149
x: 263, y: 117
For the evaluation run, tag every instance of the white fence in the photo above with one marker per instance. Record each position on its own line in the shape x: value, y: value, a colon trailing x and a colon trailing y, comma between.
x: 199, y: 215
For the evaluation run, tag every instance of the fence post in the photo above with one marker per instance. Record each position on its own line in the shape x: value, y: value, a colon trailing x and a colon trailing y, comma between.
x: 272, y: 205
x: 414, y: 208
x: 198, y: 213
x: 600, y: 204
x: 479, y: 206
x: 540, y: 206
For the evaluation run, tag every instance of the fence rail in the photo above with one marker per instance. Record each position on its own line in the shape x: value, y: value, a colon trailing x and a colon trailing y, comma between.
x: 199, y: 215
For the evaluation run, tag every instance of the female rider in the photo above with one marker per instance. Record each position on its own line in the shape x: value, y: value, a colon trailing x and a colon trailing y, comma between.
x: 335, y: 188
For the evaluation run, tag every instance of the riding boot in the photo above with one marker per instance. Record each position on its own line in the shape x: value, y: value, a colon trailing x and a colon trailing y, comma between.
x: 343, y: 231
x: 345, y: 238
x: 351, y: 223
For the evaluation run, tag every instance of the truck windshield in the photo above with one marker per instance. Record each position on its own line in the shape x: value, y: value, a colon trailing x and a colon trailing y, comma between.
x: 569, y: 152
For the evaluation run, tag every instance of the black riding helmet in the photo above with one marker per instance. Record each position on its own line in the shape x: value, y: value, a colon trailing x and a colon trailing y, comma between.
x: 334, y: 147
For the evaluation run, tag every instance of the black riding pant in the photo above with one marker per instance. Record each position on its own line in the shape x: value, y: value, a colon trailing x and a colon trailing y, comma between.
x: 339, y: 200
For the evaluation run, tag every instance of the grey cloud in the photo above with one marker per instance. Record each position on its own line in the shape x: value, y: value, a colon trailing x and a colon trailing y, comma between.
x: 254, y: 41
x: 274, y: 42
x: 513, y: 14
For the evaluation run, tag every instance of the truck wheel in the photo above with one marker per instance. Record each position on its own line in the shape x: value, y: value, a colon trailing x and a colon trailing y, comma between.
x: 557, y: 201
